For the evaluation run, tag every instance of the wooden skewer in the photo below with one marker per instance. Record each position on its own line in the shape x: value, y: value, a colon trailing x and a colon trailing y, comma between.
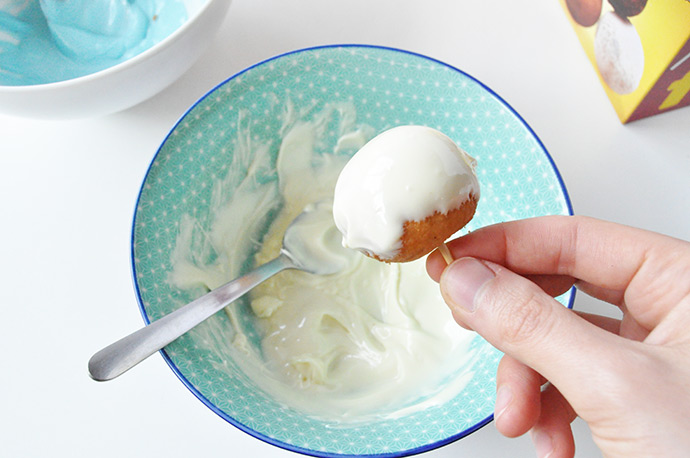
x: 445, y: 252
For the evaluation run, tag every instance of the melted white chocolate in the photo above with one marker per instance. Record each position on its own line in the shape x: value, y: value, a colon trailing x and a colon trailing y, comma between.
x: 374, y: 339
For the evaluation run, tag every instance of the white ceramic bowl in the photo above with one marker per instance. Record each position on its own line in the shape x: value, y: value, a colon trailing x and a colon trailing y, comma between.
x: 125, y: 84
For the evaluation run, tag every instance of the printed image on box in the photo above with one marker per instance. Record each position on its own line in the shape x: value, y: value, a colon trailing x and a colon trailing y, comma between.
x: 640, y: 50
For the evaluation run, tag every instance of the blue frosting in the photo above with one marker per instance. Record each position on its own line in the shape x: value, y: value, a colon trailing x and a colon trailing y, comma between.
x: 45, y: 41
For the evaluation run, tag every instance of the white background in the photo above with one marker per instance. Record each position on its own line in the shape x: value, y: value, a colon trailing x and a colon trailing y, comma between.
x: 68, y: 189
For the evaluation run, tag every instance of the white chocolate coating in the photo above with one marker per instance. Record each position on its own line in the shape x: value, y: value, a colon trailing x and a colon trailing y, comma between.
x: 404, y: 174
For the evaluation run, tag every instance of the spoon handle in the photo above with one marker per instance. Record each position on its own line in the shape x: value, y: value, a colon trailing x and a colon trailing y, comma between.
x: 129, y: 351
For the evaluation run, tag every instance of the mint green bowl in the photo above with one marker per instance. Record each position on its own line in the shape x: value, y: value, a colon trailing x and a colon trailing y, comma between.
x: 387, y: 87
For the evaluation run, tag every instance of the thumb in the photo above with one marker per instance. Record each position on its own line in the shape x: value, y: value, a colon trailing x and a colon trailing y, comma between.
x: 517, y: 317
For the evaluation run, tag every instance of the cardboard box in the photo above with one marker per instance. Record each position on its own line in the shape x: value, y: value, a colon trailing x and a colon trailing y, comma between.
x: 640, y: 50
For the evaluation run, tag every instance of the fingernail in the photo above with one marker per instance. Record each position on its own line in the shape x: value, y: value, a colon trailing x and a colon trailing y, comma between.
x: 504, y: 395
x: 543, y: 444
x: 462, y: 279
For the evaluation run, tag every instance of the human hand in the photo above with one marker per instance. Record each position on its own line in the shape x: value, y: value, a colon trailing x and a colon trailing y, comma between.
x: 628, y: 379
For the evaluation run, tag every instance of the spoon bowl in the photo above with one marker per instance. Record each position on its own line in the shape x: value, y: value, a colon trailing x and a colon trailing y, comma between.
x: 297, y: 252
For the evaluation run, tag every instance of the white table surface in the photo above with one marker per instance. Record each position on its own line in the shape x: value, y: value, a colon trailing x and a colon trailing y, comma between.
x: 68, y: 189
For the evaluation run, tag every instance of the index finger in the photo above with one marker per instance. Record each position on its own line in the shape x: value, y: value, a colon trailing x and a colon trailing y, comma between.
x: 640, y: 268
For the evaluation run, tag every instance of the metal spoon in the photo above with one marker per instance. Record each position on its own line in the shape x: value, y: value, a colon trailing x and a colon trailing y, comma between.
x: 322, y: 255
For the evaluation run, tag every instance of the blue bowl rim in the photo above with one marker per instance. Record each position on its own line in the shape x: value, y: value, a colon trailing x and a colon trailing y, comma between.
x: 207, y: 402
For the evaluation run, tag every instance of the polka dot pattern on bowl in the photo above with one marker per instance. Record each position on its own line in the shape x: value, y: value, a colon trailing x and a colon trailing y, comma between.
x: 387, y: 88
